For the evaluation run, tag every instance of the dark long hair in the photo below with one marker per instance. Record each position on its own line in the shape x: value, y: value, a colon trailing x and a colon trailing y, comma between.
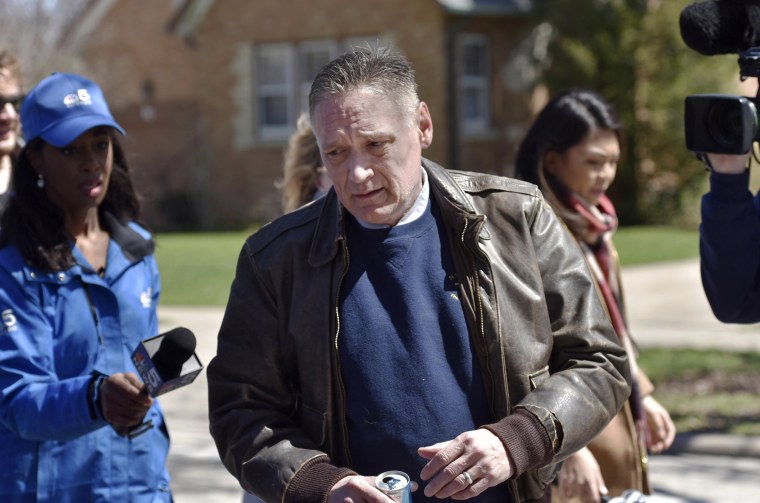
x: 36, y: 225
x: 563, y: 123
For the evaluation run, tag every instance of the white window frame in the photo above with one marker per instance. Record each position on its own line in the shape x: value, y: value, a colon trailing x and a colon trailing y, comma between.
x: 295, y: 89
x: 273, y: 132
x: 304, y: 80
x: 479, y: 84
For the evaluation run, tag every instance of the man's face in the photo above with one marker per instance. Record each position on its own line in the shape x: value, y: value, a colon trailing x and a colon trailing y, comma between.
x: 372, y: 150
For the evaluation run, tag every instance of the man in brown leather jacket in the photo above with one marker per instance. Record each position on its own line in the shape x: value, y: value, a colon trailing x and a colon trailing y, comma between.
x: 437, y: 322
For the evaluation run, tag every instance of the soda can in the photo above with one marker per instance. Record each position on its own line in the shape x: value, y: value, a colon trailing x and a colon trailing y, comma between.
x: 395, y: 484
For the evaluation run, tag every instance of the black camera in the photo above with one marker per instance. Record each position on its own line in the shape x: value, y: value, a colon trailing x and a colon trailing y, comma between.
x: 722, y: 123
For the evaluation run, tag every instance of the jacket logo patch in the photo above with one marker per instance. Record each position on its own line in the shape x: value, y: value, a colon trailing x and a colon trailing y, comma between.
x: 9, y: 320
x: 452, y: 285
x: 146, y: 298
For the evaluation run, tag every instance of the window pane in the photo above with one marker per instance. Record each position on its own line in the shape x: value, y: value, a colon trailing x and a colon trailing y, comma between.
x: 276, y: 90
x: 272, y: 65
x: 313, y: 56
x: 474, y: 58
x: 474, y: 83
x: 472, y: 104
x: 274, y: 111
x: 313, y: 61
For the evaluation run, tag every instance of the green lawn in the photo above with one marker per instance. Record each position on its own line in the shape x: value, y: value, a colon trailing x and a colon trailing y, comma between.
x: 645, y: 244
x: 197, y: 269
x: 703, y: 390
x: 706, y: 390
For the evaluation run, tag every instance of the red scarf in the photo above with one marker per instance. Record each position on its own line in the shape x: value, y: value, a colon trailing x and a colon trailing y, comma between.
x: 599, y: 251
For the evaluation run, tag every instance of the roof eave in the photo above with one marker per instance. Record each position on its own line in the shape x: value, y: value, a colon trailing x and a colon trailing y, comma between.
x: 189, y: 17
x: 489, y: 8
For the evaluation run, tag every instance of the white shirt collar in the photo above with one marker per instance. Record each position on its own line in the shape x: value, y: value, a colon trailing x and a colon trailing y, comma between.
x: 415, y: 212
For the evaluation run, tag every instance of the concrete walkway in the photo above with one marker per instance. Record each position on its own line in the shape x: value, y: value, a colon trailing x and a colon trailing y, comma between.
x: 667, y: 308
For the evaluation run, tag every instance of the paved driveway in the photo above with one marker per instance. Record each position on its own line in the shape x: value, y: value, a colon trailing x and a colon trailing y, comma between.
x: 666, y: 308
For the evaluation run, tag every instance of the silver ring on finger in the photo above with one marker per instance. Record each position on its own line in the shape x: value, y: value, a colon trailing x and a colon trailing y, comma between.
x: 467, y: 478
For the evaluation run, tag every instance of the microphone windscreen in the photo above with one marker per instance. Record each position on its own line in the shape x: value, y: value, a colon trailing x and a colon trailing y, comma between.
x: 721, y: 27
x: 177, y: 346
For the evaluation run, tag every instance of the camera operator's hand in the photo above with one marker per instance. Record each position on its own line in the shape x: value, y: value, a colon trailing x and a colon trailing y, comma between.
x: 728, y: 164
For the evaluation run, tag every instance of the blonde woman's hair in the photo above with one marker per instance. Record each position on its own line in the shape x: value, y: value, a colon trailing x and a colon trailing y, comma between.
x: 302, y: 161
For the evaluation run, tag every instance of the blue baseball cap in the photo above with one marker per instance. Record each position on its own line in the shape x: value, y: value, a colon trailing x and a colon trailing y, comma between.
x: 63, y: 106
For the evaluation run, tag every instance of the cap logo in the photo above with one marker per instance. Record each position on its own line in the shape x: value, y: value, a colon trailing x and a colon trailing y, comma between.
x: 82, y: 97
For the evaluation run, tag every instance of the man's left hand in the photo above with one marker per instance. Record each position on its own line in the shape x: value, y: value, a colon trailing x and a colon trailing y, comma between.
x: 466, y: 466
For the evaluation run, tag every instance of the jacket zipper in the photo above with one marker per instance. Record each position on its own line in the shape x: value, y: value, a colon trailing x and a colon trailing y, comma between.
x: 481, y: 327
x: 339, y: 378
x: 93, y: 311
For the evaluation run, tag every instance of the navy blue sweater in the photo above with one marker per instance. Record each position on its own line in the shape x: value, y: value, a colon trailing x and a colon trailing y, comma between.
x: 406, y: 358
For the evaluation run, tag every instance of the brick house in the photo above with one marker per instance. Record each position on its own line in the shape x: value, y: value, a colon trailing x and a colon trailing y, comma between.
x: 209, y: 91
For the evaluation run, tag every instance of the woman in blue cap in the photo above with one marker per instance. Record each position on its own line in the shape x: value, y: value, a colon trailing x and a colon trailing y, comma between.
x: 79, y: 288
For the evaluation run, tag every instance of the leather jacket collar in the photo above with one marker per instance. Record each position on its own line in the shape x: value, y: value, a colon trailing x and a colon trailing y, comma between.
x: 447, y: 192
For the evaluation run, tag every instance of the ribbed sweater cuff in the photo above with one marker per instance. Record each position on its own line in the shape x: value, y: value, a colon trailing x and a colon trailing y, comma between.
x: 525, y: 440
x: 312, y: 483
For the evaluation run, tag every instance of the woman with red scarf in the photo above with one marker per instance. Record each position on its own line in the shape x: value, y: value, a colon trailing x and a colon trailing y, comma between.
x: 571, y: 152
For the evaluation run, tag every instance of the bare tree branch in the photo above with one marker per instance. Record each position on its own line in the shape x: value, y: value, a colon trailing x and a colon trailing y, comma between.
x: 32, y: 29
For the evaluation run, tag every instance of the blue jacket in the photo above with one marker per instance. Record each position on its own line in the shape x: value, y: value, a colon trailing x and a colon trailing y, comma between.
x: 730, y: 248
x: 59, y: 328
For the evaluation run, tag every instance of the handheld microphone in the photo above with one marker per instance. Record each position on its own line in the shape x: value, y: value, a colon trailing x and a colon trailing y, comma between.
x: 177, y: 346
x: 167, y: 361
x: 721, y: 27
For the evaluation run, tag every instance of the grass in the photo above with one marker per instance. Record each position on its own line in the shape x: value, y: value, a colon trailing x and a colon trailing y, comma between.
x: 703, y: 390
x: 662, y: 364
x: 646, y: 244
x: 197, y: 269
x: 707, y: 390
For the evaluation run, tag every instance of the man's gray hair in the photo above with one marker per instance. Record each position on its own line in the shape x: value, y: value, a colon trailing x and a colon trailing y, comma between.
x: 375, y: 69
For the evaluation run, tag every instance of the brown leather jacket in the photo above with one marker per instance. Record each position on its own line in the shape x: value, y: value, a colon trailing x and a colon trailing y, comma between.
x: 544, y: 344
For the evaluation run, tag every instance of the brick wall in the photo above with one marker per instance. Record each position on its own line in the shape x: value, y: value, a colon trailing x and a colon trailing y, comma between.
x: 415, y: 27
x: 192, y: 144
